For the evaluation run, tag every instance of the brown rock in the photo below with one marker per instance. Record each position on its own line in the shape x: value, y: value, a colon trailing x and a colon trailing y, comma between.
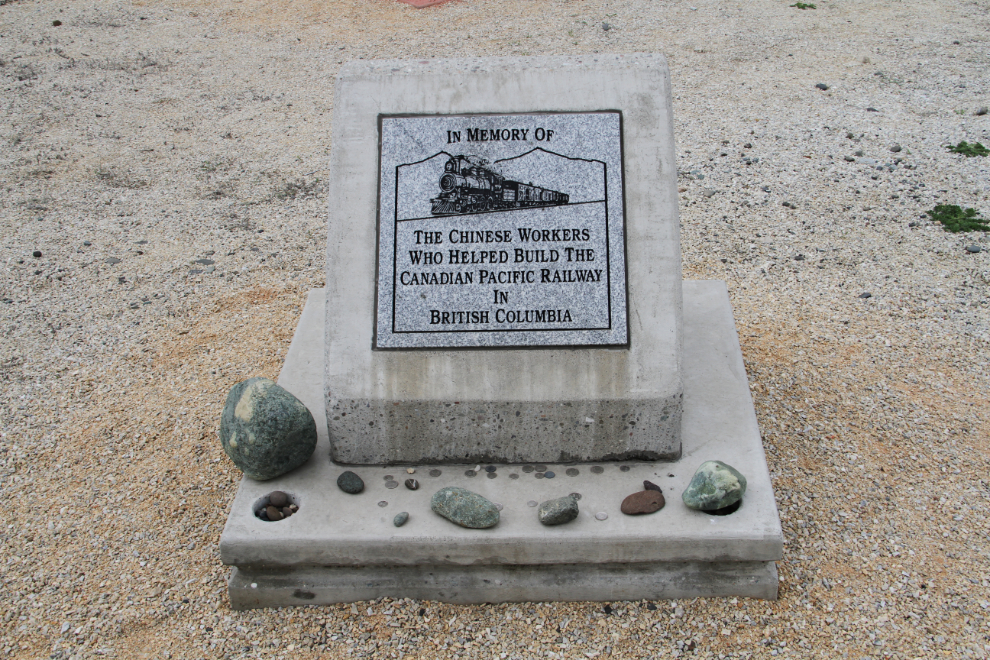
x: 273, y: 513
x: 278, y: 499
x: 645, y: 501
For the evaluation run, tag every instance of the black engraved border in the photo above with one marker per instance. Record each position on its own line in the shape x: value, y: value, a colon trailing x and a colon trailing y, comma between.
x: 395, y: 213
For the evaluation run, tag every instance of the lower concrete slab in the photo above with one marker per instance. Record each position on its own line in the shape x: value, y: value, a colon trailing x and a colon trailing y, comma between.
x: 337, y: 542
x: 251, y: 588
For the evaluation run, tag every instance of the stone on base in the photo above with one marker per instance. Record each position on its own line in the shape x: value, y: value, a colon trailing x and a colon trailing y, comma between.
x: 341, y: 548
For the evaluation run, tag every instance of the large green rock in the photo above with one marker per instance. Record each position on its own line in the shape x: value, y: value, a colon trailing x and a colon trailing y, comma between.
x: 461, y: 506
x: 265, y: 430
x: 714, y: 485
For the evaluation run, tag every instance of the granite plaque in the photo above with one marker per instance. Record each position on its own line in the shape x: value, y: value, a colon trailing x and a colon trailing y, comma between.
x: 501, y: 230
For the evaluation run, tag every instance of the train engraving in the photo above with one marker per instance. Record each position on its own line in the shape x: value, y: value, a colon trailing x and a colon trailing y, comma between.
x: 470, y: 185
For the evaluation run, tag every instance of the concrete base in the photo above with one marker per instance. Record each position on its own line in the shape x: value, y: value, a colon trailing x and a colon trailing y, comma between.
x: 250, y: 588
x: 341, y: 548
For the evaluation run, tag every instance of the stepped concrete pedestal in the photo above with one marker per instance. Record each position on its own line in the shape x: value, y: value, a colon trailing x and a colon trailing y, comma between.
x: 342, y: 548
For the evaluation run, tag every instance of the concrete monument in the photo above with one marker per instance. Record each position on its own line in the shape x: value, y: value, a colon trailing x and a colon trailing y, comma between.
x: 505, y: 214
x: 503, y: 314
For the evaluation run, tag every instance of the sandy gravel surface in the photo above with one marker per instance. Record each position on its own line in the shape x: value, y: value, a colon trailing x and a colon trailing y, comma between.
x: 137, y: 138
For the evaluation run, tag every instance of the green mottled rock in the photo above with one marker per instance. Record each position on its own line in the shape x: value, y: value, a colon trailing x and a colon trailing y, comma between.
x: 714, y: 485
x: 265, y: 430
x: 350, y: 483
x: 559, y: 511
x: 461, y: 506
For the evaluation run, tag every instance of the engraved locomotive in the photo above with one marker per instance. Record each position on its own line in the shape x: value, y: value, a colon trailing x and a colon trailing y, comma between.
x: 470, y: 185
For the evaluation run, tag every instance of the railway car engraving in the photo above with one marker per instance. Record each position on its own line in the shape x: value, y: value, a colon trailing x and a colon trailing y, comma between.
x: 471, y: 185
x: 513, y: 237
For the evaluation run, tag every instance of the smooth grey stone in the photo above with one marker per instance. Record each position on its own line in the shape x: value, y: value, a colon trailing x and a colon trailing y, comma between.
x: 278, y: 499
x: 982, y: 111
x: 974, y: 249
x: 822, y: 86
x: 350, y: 483
x: 715, y: 485
x: 412, y: 484
x: 467, y: 509
x: 559, y: 511
x: 400, y: 519
x: 865, y: 295
x: 265, y: 430
x: 896, y: 148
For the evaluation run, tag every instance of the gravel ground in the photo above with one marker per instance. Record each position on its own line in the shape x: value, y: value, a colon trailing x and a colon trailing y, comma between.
x: 140, y: 138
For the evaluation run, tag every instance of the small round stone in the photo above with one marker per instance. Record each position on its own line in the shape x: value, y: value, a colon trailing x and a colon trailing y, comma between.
x: 540, y: 475
x: 273, y: 513
x: 435, y: 472
x: 624, y: 468
x: 498, y: 505
x: 601, y: 515
x: 572, y: 472
x: 400, y: 519
x: 822, y: 86
x: 974, y: 249
x: 36, y: 254
x: 645, y: 501
x: 410, y: 470
x: 491, y: 475
x: 278, y: 499
x: 549, y: 475
x: 388, y: 477
x: 470, y: 473
x: 286, y: 511
x: 597, y: 469
x: 350, y: 483
x: 576, y: 496
x: 527, y: 469
x: 412, y: 484
x: 391, y: 484
x: 559, y: 511
x: 532, y: 503
x: 383, y: 504
x: 490, y: 468
x: 263, y: 515
x: 540, y: 468
x: 513, y: 476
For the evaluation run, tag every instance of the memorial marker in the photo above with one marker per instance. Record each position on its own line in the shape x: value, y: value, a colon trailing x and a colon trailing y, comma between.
x: 525, y: 209
x: 501, y: 230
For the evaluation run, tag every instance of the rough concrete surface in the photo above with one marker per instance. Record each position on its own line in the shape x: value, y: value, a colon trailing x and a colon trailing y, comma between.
x: 527, y: 405
x: 873, y: 410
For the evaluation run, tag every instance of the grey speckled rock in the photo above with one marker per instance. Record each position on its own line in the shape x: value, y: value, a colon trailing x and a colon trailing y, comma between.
x: 559, y: 511
x: 350, y: 483
x: 714, y: 485
x: 400, y: 519
x: 461, y: 506
x: 265, y: 430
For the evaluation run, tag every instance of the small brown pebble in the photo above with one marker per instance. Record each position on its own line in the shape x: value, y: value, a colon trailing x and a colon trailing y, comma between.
x: 278, y: 499
x: 273, y: 513
x: 649, y: 485
x: 645, y: 501
x: 412, y: 484
x: 286, y: 511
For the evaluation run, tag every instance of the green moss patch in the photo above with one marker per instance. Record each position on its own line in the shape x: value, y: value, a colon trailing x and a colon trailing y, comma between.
x: 955, y: 218
x: 970, y: 150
